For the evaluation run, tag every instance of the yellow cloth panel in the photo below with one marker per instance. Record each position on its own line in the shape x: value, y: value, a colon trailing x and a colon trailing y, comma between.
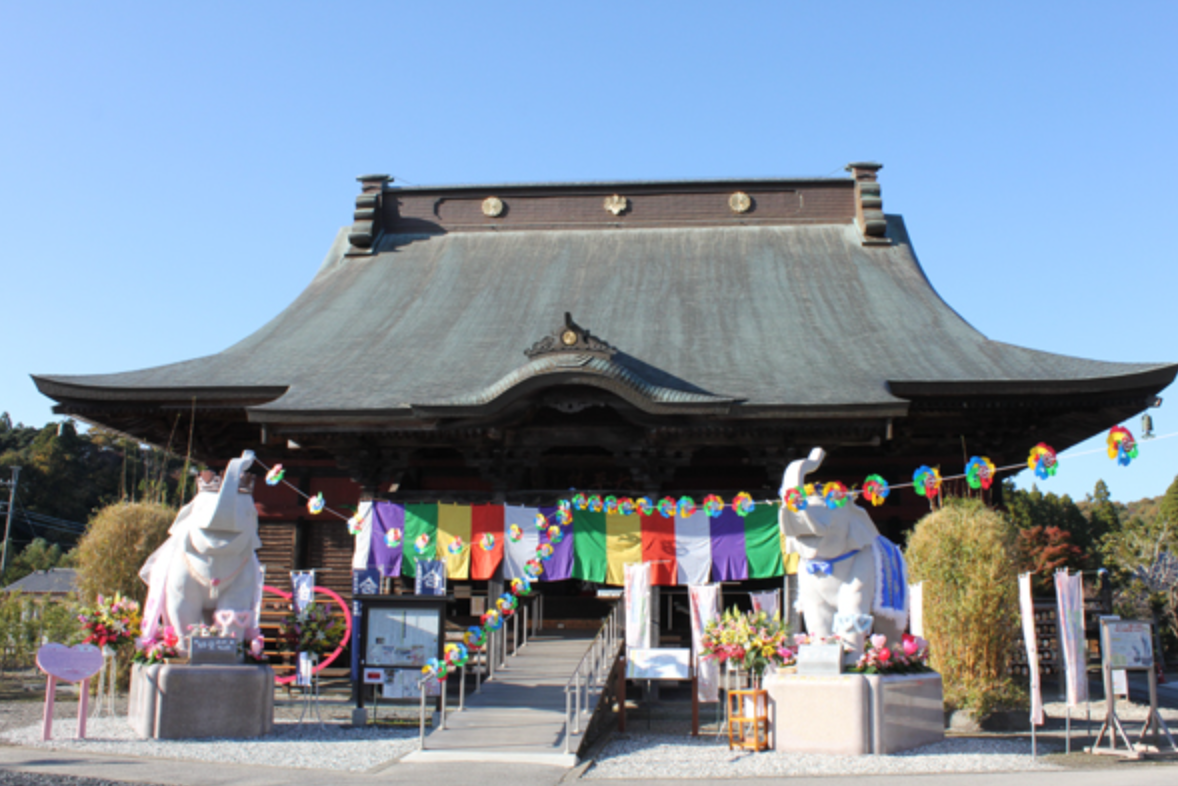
x: 454, y: 524
x: 791, y: 560
x: 623, y: 544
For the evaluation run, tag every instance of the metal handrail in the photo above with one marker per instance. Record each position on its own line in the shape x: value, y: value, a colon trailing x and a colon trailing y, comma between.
x: 591, y: 673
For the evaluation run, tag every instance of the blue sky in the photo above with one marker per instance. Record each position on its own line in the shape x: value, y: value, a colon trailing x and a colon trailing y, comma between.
x: 171, y: 175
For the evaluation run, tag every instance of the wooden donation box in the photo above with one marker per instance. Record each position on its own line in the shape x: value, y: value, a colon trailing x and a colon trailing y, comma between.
x: 854, y: 714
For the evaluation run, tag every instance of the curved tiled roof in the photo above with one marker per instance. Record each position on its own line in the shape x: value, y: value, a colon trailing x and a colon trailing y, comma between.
x: 750, y: 318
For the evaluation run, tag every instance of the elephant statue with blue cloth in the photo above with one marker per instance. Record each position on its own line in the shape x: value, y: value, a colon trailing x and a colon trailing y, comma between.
x: 852, y: 581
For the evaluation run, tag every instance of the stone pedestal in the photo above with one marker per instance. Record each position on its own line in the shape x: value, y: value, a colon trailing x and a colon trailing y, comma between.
x: 178, y: 702
x: 854, y: 714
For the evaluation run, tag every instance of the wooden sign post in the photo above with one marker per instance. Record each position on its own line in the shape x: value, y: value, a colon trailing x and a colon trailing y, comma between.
x: 1128, y: 645
x: 72, y: 664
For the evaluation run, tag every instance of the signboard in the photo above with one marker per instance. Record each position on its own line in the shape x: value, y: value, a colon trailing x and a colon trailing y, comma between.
x: 820, y: 660
x: 658, y: 664
x: 398, y: 635
x: 1127, y: 644
x: 213, y: 649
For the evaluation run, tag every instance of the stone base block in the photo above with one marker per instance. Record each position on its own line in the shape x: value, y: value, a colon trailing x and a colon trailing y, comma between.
x: 854, y: 714
x: 171, y: 702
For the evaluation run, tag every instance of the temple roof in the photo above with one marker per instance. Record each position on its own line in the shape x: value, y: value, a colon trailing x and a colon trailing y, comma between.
x: 786, y: 314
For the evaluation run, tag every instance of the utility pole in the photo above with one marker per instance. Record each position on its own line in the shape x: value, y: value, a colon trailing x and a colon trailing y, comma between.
x: 8, y: 521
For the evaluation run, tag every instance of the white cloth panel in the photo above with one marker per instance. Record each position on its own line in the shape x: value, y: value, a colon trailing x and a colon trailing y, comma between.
x: 363, y: 538
x: 516, y: 554
x: 916, y: 609
x: 639, y: 628
x: 767, y: 602
x: 693, y: 548
x: 705, y: 607
x: 1031, y: 640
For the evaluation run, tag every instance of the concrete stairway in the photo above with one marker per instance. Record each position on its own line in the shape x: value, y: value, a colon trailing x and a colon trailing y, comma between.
x: 519, y: 716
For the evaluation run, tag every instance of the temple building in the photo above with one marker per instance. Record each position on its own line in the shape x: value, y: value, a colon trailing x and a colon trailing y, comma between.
x: 508, y: 343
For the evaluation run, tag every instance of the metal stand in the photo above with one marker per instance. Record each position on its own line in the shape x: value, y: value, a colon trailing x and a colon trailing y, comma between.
x: 105, y: 704
x: 311, y: 695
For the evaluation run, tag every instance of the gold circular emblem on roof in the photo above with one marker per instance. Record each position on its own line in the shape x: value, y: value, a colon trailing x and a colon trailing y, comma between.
x: 616, y: 204
x: 740, y: 202
x: 568, y: 338
x: 493, y: 207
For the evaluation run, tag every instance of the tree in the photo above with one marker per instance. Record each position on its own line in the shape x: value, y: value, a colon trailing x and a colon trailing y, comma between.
x: 38, y: 555
x: 1029, y: 509
x: 1044, y: 550
x: 116, y: 544
x: 1103, y: 516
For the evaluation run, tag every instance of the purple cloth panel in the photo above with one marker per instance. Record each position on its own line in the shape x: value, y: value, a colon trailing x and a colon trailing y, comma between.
x: 729, y: 560
x: 560, y: 566
x: 386, y: 516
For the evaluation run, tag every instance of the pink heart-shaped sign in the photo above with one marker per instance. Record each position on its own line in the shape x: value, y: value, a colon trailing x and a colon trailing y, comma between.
x: 323, y: 664
x: 72, y: 664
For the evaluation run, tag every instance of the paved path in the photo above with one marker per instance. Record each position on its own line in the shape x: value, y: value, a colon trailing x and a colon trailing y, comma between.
x: 519, y: 716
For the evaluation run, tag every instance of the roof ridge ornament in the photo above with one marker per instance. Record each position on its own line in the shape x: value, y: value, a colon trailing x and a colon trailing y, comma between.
x: 570, y: 337
x: 869, y: 203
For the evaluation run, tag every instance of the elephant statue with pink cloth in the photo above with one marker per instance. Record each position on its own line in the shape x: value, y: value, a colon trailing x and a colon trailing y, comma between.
x: 207, y: 571
x: 852, y: 581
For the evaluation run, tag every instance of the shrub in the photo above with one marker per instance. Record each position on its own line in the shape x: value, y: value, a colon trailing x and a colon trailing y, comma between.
x: 965, y: 554
x: 27, y: 622
x: 117, y: 542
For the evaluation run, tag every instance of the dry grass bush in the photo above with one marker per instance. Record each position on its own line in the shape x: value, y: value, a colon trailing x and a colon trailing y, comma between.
x: 965, y: 554
x: 117, y: 542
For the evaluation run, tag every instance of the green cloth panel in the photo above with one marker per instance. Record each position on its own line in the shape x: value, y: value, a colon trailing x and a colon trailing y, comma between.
x: 762, y: 543
x: 419, y: 520
x: 589, y: 560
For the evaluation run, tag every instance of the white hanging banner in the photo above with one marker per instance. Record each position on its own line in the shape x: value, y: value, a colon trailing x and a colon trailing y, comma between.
x: 916, y: 609
x: 1031, y: 640
x: 1069, y: 594
x: 705, y: 607
x: 639, y: 631
x: 767, y: 602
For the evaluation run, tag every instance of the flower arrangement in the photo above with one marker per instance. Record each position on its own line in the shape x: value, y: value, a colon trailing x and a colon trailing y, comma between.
x: 163, y: 645
x: 752, y: 641
x: 203, y: 631
x: 910, y: 656
x: 315, y: 629
x: 110, y: 621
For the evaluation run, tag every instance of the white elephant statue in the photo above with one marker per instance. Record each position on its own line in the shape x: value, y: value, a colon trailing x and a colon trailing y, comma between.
x: 206, y: 572
x: 852, y: 581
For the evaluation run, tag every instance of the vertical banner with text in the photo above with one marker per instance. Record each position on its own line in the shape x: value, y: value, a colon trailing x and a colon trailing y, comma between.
x: 705, y: 607
x: 1069, y: 593
x: 1030, y: 639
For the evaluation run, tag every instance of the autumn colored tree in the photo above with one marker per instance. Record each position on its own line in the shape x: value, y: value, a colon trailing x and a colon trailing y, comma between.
x: 1044, y: 550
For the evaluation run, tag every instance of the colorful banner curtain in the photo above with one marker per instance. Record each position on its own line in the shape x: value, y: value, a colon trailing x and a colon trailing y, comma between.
x: 454, y: 534
x: 518, y: 550
x: 594, y: 547
x: 1031, y: 642
x: 1069, y: 593
x: 486, y: 520
x: 420, y: 537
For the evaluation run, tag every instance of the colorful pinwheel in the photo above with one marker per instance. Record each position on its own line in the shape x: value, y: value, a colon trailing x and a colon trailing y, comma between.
x: 555, y: 535
x: 742, y: 504
x: 275, y: 475
x: 355, y: 524
x: 454, y: 547
x: 580, y: 502
x: 685, y: 507
x: 611, y: 504
x: 475, y: 637
x: 521, y: 586
x: 564, y: 517
x: 795, y: 500
x: 834, y: 494
x: 626, y: 506
x: 667, y: 508
x: 422, y: 543
x: 979, y: 472
x: 316, y: 504
x: 1121, y: 445
x: 545, y: 552
x: 875, y: 490
x: 644, y: 505
x: 491, y: 620
x: 506, y: 604
x: 1043, y: 460
x: 392, y: 538
x: 541, y: 522
x: 487, y: 541
x: 514, y: 533
x: 713, y: 505
x: 595, y: 504
x: 927, y: 481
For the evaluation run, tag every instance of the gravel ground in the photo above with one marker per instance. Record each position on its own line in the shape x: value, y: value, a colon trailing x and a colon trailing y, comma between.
x: 665, y: 751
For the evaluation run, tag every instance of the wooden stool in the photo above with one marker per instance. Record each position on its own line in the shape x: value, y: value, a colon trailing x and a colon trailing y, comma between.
x: 748, y: 720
